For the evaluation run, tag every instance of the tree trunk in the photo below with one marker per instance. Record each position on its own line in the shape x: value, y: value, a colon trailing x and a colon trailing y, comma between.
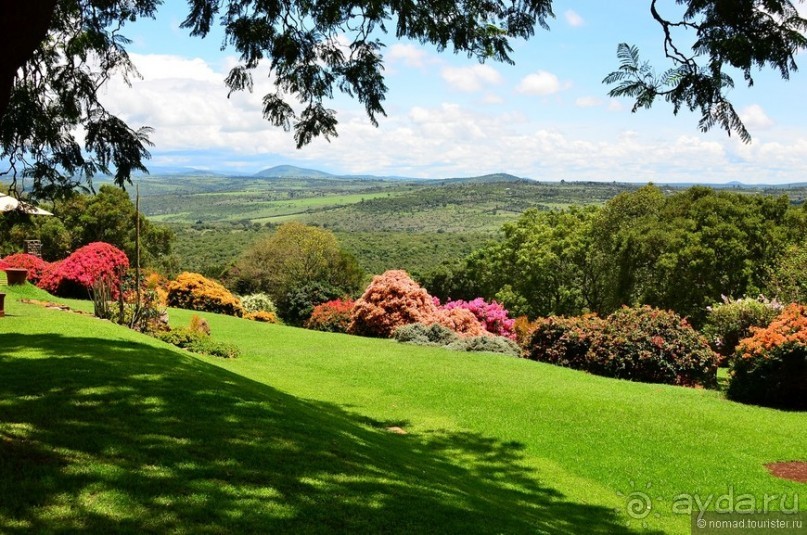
x: 23, y: 25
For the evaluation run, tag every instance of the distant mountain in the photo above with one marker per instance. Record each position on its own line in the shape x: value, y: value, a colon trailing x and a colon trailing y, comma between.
x: 169, y: 170
x: 484, y: 179
x: 290, y: 171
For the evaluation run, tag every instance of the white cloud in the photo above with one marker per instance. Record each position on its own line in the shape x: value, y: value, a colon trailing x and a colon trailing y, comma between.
x: 471, y: 79
x: 615, y: 105
x: 755, y: 118
x: 539, y: 83
x: 408, y: 54
x: 588, y: 102
x: 573, y: 18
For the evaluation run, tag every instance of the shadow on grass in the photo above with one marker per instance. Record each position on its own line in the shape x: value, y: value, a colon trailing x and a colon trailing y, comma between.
x: 116, y: 436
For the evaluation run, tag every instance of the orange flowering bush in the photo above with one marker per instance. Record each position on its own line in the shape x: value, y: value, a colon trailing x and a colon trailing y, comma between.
x: 262, y: 316
x: 523, y: 329
x: 391, y: 301
x: 462, y: 321
x: 195, y: 292
x: 770, y: 367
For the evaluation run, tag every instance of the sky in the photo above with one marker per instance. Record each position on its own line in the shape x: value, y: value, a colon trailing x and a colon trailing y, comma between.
x: 548, y: 117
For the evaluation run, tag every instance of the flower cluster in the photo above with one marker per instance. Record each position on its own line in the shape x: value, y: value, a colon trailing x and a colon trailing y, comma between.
x: 195, y: 292
x: 462, y: 321
x: 332, y: 316
x: 493, y: 316
x: 36, y: 266
x: 771, y: 365
x: 75, y: 275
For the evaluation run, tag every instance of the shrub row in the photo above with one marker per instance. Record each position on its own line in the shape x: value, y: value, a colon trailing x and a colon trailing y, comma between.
x: 437, y: 335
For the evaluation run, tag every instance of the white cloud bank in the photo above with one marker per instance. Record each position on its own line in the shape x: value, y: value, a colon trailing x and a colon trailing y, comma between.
x: 471, y: 79
x: 185, y: 100
x: 573, y: 19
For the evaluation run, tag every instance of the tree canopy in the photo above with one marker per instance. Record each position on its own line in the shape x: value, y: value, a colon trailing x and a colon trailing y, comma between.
x: 58, y: 53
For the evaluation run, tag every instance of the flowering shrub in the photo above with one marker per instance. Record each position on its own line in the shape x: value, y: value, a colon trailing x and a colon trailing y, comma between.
x: 639, y: 344
x: 730, y: 321
x: 390, y: 301
x: 563, y: 341
x: 653, y: 346
x: 771, y: 365
x: 262, y: 316
x: 332, y: 316
x: 36, y: 266
x: 259, y: 302
x: 493, y: 316
x: 523, y: 329
x: 460, y: 320
x: 195, y: 292
x: 75, y: 275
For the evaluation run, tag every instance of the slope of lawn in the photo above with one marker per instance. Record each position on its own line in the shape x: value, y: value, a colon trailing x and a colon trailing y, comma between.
x: 102, y: 429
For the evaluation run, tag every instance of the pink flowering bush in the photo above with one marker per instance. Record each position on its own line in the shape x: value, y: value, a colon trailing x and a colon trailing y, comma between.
x: 75, y: 275
x: 493, y: 316
x: 391, y: 300
x: 36, y: 266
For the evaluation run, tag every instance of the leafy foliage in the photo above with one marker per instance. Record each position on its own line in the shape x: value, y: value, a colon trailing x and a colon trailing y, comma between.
x: 771, y: 365
x: 425, y: 335
x: 294, y: 255
x: 332, y: 316
x: 732, y: 320
x: 262, y: 316
x: 679, y: 252
x: 75, y: 275
x: 788, y: 281
x: 297, y: 305
x: 55, y: 95
x: 491, y: 344
x: 195, y: 292
x: 745, y: 35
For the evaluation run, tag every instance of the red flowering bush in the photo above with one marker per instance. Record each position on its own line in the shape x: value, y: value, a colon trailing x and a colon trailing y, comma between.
x: 652, y: 346
x: 75, y: 275
x: 36, y: 266
x: 493, y: 316
x: 563, y: 341
x: 332, y: 316
x: 770, y: 367
x: 390, y: 301
x: 195, y: 292
x: 462, y: 321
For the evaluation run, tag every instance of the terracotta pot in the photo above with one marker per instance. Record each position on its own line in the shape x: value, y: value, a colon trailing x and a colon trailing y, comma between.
x: 2, y: 305
x: 16, y: 275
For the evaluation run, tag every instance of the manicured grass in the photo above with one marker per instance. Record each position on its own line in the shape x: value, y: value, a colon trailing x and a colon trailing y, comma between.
x: 102, y: 429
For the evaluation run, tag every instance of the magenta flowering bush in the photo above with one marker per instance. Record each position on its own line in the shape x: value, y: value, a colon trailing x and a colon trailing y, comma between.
x: 492, y: 315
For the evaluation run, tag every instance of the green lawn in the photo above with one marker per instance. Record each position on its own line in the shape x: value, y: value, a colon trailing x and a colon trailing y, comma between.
x: 102, y: 429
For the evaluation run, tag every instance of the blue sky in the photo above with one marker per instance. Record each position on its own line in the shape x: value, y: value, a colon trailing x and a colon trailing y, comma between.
x: 547, y: 117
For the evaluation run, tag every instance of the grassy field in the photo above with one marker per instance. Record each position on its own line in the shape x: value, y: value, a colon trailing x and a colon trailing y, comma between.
x: 102, y: 429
